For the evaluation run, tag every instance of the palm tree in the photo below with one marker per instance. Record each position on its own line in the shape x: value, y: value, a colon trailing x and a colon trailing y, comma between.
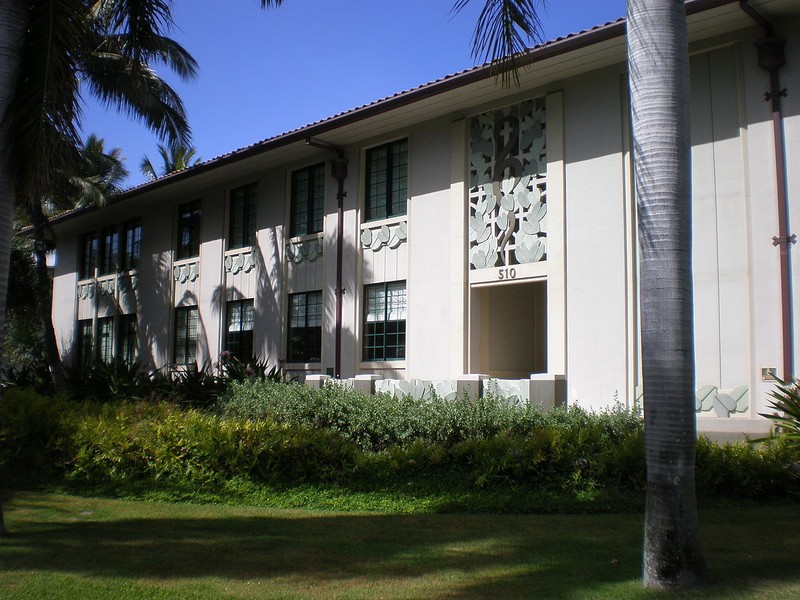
x: 658, y: 66
x: 51, y: 50
x: 108, y: 47
x: 93, y: 179
x: 175, y: 157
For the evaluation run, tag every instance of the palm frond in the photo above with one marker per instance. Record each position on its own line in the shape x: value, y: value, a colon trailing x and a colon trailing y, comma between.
x: 143, y: 21
x: 42, y: 117
x: 503, y: 31
x: 161, y: 50
x: 137, y: 91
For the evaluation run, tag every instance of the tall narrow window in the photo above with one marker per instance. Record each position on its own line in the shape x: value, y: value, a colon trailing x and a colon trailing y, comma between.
x: 109, y: 255
x: 387, y: 180
x: 305, y: 327
x: 126, y: 339
x: 385, y: 321
x: 132, y: 245
x: 185, y: 336
x: 239, y: 329
x: 105, y: 340
x: 308, y: 198
x: 83, y: 343
x: 189, y: 230
x: 243, y: 217
x: 90, y: 247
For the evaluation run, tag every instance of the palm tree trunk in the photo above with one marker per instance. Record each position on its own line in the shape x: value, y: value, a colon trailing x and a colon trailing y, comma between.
x: 659, y: 83
x: 44, y: 293
x: 12, y: 27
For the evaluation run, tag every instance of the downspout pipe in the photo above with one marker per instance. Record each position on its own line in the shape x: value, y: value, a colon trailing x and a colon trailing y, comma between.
x: 338, y: 172
x: 771, y: 57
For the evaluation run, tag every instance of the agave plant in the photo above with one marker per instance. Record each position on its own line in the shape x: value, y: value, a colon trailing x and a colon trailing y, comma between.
x: 786, y: 404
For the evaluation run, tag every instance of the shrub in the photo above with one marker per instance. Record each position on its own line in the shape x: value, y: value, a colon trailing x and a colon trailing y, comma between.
x: 380, y: 421
x: 31, y: 426
x: 139, y: 441
x: 786, y: 404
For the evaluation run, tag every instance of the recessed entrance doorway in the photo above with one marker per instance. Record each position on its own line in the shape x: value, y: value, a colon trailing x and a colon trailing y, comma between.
x: 508, y: 328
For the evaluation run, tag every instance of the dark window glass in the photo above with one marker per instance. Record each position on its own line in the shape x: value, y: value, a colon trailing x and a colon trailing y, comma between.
x: 189, y: 230
x: 385, y: 321
x: 132, y: 245
x: 305, y: 327
x: 83, y: 343
x: 90, y: 249
x: 308, y: 198
x: 126, y: 339
x: 243, y: 217
x: 105, y: 340
x: 109, y: 255
x: 239, y: 329
x: 387, y: 180
x: 186, y: 336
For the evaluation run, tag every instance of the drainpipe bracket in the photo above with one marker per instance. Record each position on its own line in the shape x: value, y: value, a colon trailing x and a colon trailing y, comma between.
x: 782, y: 93
x: 789, y: 239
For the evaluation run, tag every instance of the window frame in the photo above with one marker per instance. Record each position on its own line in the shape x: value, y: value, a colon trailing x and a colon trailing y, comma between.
x: 185, y: 335
x: 394, y: 195
x: 104, y: 343
x: 84, y: 343
x: 131, y: 247
x: 189, y: 221
x: 127, y: 338
x: 374, y: 330
x: 90, y: 254
x: 242, y: 216
x: 108, y: 262
x: 238, y: 341
x: 308, y: 333
x: 311, y: 199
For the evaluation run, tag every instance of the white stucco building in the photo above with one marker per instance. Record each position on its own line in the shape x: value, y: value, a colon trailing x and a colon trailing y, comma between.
x: 480, y: 230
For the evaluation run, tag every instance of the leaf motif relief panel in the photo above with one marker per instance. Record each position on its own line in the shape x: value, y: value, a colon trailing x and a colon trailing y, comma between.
x: 508, y: 186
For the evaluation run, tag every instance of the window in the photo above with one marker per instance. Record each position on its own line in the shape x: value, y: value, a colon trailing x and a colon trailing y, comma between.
x: 126, y: 339
x: 185, y: 336
x: 308, y: 198
x: 132, y: 245
x: 386, y: 185
x: 105, y: 340
x: 109, y: 254
x: 385, y: 321
x: 90, y: 247
x: 189, y: 230
x: 243, y: 217
x: 83, y: 343
x: 239, y: 329
x: 305, y: 327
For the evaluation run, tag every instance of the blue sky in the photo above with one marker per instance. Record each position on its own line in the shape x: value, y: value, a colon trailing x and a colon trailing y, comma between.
x: 266, y: 72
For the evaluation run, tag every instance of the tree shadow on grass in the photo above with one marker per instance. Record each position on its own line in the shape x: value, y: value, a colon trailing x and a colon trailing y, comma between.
x: 458, y: 556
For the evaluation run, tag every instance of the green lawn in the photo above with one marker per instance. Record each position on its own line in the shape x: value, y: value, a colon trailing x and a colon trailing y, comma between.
x: 73, y: 547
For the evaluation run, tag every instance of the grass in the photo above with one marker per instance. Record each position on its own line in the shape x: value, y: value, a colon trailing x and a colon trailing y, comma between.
x: 64, y: 546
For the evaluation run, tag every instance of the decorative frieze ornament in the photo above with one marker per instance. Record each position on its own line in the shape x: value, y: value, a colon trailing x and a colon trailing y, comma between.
x: 245, y: 262
x: 86, y: 290
x: 186, y: 272
x: 709, y: 398
x: 384, y: 235
x: 508, y: 186
x: 128, y: 283
x: 309, y: 250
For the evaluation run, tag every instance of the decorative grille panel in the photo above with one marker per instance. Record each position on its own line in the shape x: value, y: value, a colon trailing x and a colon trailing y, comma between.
x: 508, y: 186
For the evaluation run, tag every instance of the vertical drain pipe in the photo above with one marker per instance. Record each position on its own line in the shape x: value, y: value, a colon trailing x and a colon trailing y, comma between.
x: 338, y: 172
x: 771, y: 57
